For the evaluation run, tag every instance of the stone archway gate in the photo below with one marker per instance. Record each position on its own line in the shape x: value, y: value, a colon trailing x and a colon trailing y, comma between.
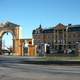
x: 14, y: 29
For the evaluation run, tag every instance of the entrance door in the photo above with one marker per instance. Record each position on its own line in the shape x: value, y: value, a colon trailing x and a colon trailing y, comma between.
x: 61, y: 49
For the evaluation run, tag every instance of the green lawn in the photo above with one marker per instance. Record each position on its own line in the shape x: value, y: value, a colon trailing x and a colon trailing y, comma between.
x: 62, y: 58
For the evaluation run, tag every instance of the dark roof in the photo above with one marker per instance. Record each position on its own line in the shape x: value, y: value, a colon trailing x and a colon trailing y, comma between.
x: 75, y: 28
x: 48, y: 30
x: 71, y: 28
x: 10, y: 24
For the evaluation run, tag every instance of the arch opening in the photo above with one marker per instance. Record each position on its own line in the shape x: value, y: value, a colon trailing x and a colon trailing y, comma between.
x: 7, y: 43
x: 25, y: 49
x: 13, y: 30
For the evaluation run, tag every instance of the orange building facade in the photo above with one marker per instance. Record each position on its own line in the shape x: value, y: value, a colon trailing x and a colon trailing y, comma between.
x: 31, y: 49
x: 18, y: 42
x: 60, y: 38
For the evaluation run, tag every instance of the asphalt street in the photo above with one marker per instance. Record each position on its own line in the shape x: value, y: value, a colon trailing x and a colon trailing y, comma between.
x: 12, y: 69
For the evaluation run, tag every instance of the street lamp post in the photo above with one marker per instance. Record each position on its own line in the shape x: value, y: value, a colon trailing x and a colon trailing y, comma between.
x: 66, y: 37
x: 0, y: 45
x: 77, y: 48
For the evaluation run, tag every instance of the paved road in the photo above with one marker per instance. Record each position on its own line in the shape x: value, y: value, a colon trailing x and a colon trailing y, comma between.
x: 12, y: 69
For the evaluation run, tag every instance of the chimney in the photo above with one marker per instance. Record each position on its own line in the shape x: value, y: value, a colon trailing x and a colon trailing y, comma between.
x: 69, y: 24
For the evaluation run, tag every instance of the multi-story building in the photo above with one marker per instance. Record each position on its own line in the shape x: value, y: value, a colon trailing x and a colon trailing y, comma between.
x: 59, y: 37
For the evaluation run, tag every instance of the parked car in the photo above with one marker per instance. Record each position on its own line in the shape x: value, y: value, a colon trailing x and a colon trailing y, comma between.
x: 4, y: 51
x: 52, y: 51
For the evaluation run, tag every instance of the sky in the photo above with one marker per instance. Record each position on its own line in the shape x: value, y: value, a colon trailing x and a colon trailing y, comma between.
x: 29, y: 14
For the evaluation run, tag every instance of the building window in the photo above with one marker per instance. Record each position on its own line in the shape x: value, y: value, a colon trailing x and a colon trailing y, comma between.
x: 74, y: 35
x: 69, y: 42
x: 69, y: 35
x: 30, y: 42
x: 78, y: 35
x: 74, y: 46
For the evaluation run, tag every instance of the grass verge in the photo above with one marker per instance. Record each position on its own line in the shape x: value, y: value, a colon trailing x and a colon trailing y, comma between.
x: 62, y: 58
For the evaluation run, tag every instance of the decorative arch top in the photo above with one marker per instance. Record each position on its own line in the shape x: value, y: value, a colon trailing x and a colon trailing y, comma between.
x: 9, y: 27
x: 9, y: 24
